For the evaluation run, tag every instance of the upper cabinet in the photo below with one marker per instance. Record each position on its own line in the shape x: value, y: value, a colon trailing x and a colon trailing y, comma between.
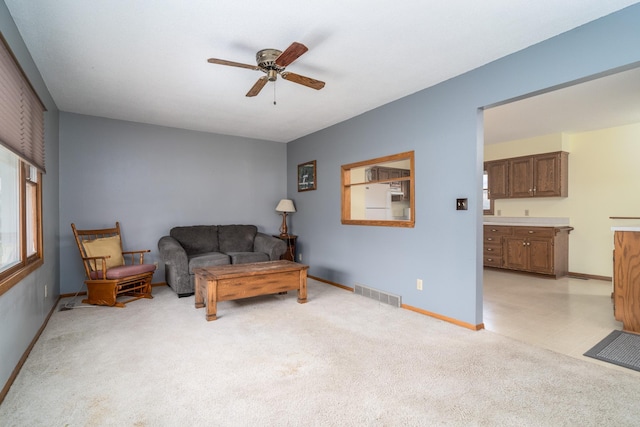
x: 382, y: 173
x: 497, y: 175
x: 539, y: 175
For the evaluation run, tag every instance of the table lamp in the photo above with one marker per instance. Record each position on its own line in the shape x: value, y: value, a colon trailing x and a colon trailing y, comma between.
x: 285, y: 206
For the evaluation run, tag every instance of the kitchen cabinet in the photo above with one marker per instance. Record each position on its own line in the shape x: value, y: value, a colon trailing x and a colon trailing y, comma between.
x: 626, y: 279
x: 530, y: 249
x: 498, y: 178
x: 542, y: 250
x: 539, y: 175
x: 492, y: 248
x: 382, y: 173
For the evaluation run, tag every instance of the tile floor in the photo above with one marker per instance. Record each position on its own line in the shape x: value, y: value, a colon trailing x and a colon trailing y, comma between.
x: 566, y: 315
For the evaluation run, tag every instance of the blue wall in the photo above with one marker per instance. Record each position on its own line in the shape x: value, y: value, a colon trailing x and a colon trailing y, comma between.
x: 151, y: 178
x: 444, y: 127
x: 24, y: 308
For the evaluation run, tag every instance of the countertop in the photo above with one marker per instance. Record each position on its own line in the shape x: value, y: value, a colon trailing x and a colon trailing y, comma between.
x: 526, y: 221
x: 626, y: 228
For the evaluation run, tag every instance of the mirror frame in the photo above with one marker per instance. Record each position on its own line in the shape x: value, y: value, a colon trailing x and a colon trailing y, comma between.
x: 345, y: 177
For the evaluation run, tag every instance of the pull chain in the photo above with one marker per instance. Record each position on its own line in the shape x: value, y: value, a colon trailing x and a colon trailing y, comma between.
x: 274, y: 92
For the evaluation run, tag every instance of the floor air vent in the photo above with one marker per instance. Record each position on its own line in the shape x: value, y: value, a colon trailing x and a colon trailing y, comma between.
x: 391, y: 299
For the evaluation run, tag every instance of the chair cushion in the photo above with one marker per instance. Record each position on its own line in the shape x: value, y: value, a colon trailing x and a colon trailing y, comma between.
x: 104, y: 246
x: 247, y: 257
x: 207, y: 260
x: 236, y: 238
x: 197, y: 239
x: 123, y: 271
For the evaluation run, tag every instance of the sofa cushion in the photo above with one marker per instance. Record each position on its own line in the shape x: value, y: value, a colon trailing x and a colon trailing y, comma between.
x: 236, y: 238
x: 247, y: 257
x: 197, y: 239
x: 207, y: 260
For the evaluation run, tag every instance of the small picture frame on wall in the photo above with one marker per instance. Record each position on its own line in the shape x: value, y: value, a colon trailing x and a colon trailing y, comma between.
x: 307, y: 179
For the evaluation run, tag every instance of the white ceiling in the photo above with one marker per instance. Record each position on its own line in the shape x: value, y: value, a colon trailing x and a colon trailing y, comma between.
x: 609, y: 101
x: 145, y: 60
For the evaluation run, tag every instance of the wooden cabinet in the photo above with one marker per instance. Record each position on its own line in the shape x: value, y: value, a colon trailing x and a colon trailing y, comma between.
x: 383, y: 173
x: 551, y: 175
x: 498, y: 178
x: 543, y: 250
x: 539, y: 175
x: 626, y: 279
x: 530, y: 249
x: 492, y: 248
x: 521, y: 177
x: 290, y: 240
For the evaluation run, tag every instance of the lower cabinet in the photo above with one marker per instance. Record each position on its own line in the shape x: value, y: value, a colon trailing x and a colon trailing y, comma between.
x: 626, y: 279
x: 543, y: 250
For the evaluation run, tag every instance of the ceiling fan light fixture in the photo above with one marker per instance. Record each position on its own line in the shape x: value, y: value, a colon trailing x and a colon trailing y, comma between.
x: 266, y: 58
x: 273, y: 62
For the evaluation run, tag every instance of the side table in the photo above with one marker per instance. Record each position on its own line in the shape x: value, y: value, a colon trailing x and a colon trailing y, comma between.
x: 290, y: 240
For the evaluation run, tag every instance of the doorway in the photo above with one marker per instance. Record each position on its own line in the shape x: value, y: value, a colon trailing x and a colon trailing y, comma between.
x: 532, y: 308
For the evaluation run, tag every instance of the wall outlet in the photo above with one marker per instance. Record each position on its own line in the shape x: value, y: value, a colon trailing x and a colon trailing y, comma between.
x: 156, y: 264
x: 499, y: 212
x: 45, y: 291
x: 526, y: 212
x: 419, y: 284
x: 299, y: 257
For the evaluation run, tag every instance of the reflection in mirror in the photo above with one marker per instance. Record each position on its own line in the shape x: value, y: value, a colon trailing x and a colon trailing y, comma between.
x: 379, y: 191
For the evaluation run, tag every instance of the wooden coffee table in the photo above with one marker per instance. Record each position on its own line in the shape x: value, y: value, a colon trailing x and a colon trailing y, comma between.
x: 230, y: 282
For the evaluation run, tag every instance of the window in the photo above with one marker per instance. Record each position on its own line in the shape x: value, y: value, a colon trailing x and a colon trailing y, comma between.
x: 487, y: 203
x: 21, y: 167
x: 379, y: 191
x: 20, y: 219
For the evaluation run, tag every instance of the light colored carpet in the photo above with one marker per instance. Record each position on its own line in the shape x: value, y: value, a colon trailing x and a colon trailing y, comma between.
x: 339, y: 360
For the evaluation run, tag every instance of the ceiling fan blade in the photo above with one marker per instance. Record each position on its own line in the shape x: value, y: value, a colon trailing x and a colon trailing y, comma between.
x: 292, y: 53
x: 302, y: 80
x: 233, y: 64
x: 257, y: 87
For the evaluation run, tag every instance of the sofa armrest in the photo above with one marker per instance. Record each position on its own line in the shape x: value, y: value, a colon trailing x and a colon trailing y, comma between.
x: 270, y: 245
x: 176, y: 264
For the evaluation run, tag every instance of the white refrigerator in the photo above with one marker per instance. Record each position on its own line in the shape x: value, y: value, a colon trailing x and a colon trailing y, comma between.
x: 377, y: 201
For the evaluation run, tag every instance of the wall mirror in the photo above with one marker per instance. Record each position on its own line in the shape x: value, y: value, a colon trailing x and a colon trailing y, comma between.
x: 379, y: 191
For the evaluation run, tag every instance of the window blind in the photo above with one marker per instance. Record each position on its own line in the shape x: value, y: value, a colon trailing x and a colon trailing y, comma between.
x: 21, y: 111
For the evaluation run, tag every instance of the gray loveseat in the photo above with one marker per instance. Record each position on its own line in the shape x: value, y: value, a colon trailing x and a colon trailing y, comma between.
x: 191, y: 247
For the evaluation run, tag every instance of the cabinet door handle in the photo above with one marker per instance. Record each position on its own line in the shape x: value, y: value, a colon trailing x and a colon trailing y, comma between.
x: 531, y: 231
x: 524, y: 243
x: 489, y: 249
x: 490, y: 259
x: 494, y: 230
x: 489, y: 238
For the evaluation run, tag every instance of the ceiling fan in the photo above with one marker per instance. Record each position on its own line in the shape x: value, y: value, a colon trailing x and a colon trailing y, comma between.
x: 273, y: 62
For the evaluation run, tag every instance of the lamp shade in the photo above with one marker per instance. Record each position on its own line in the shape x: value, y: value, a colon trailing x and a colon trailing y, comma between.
x: 285, y: 205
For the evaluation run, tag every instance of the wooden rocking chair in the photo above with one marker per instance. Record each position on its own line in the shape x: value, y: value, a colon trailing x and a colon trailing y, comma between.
x: 110, y: 271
